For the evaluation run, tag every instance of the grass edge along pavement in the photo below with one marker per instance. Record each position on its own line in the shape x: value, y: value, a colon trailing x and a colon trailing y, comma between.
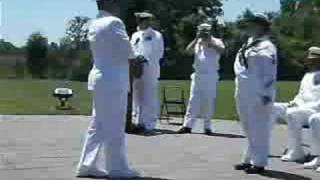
x: 34, y: 97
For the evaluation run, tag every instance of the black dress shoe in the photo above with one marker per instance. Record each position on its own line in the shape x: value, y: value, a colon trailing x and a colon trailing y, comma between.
x: 151, y: 133
x: 184, y: 130
x: 139, y: 129
x: 242, y: 166
x: 255, y: 170
x: 208, y: 132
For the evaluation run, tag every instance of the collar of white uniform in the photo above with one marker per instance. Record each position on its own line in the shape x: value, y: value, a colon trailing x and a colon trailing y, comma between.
x: 149, y: 29
x: 261, y: 38
x: 103, y: 13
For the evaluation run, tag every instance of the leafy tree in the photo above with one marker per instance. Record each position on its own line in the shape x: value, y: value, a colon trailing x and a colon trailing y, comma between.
x: 296, y: 28
x: 37, y: 50
x: 7, y: 47
x: 77, y: 30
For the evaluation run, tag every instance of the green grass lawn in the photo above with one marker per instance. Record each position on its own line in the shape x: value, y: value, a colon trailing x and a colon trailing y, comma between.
x: 35, y: 97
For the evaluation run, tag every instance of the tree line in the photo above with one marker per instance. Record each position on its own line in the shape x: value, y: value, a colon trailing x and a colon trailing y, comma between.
x: 295, y: 29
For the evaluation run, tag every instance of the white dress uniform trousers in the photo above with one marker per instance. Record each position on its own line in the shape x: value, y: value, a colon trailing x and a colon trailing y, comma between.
x: 307, y: 103
x: 148, y: 43
x: 315, y: 134
x: 105, y: 148
x: 203, y: 84
x: 255, y: 68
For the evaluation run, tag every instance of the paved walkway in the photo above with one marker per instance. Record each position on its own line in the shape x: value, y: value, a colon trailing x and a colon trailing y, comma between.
x: 48, y: 147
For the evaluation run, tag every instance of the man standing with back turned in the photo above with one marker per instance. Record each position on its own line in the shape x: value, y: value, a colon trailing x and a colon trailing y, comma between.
x: 109, y: 79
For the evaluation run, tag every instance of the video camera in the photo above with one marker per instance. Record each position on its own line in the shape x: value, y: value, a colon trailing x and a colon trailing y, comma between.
x: 204, y: 31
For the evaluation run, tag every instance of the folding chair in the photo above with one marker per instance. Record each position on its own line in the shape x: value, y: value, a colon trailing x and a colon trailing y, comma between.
x: 173, y: 103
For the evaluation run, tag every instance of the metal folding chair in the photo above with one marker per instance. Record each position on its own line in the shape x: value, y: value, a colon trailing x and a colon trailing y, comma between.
x: 173, y: 103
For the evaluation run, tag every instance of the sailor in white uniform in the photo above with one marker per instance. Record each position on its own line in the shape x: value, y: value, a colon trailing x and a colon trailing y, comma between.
x: 207, y: 53
x: 147, y: 42
x: 105, y: 147
x: 303, y: 110
x: 255, y: 69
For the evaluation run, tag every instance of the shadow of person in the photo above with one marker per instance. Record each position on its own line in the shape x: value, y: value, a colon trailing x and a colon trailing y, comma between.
x: 283, y: 175
x: 166, y: 131
x: 225, y: 135
x: 136, y: 178
x: 145, y: 178
x: 157, y: 132
x: 307, y: 158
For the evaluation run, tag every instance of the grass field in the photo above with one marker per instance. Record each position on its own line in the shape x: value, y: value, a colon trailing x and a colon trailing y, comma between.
x: 24, y: 97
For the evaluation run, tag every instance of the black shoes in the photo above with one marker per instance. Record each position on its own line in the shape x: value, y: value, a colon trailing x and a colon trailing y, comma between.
x: 184, y: 130
x: 249, y: 169
x: 242, y: 166
x: 139, y: 129
x: 254, y: 170
x: 208, y: 132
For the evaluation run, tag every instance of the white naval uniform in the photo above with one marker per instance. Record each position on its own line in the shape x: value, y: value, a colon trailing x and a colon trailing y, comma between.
x: 308, y: 103
x: 203, y: 84
x: 109, y: 80
x: 314, y: 122
x: 148, y: 43
x: 256, y: 78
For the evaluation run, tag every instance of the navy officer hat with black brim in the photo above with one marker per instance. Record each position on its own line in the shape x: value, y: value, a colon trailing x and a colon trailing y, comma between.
x: 258, y: 18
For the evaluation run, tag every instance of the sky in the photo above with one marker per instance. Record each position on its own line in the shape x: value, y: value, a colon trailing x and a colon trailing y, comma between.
x: 19, y: 18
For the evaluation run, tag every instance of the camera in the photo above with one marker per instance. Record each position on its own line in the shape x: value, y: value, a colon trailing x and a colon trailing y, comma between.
x: 204, y: 34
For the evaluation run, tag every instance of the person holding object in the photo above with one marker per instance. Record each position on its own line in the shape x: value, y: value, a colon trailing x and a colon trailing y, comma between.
x: 148, y: 43
x: 299, y: 112
x: 256, y: 69
x: 207, y: 52
x: 105, y: 148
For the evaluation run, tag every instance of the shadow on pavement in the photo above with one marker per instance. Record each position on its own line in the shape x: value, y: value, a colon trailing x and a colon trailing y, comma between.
x: 283, y: 175
x: 157, y: 132
x: 146, y: 178
x: 232, y: 136
x: 307, y: 158
x: 224, y: 135
x: 137, y: 178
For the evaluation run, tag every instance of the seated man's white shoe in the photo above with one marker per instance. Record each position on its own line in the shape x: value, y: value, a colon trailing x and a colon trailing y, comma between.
x: 293, y: 156
x: 90, y: 172
x: 130, y: 173
x: 314, y: 164
x: 318, y: 170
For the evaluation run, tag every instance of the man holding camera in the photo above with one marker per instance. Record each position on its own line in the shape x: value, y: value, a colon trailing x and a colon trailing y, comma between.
x: 207, y: 52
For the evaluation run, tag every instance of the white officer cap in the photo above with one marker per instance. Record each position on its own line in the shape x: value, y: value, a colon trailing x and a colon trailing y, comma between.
x: 144, y: 15
x: 205, y: 27
x: 314, y: 53
x: 259, y: 18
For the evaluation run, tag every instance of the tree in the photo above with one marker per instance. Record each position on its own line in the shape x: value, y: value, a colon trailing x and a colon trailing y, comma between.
x: 296, y: 29
x: 37, y: 49
x: 77, y: 30
x: 7, y: 47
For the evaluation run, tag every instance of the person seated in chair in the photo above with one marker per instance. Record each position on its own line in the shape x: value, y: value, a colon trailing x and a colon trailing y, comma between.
x: 297, y: 113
